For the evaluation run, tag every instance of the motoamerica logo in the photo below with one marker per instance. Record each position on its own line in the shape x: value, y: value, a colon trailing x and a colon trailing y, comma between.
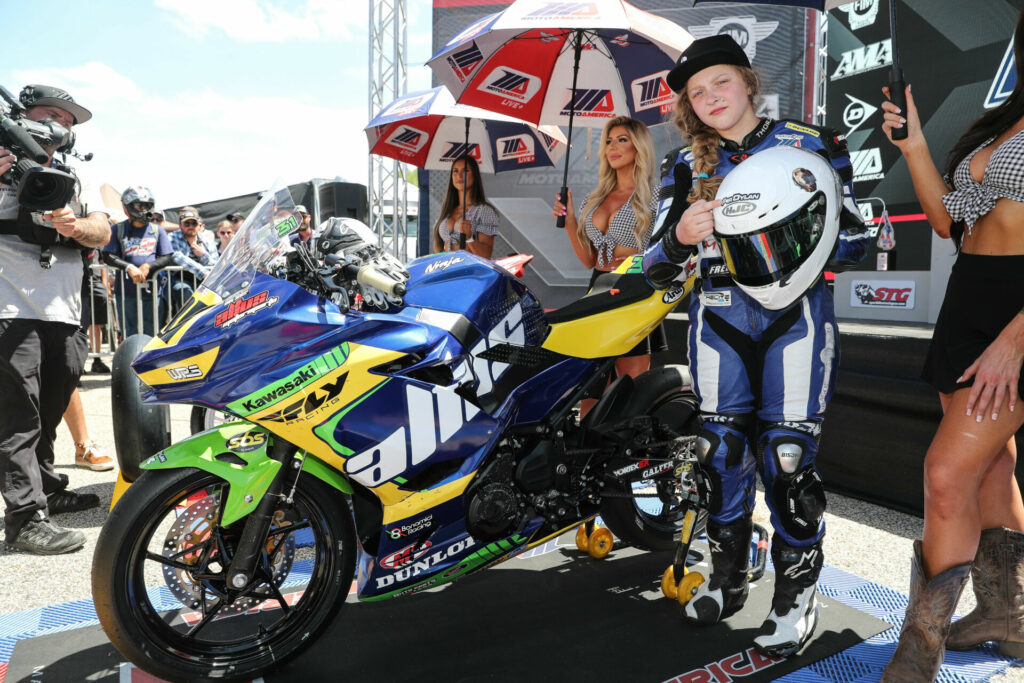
x: 325, y: 394
x: 464, y: 61
x: 652, y: 92
x: 511, y: 84
x: 596, y: 102
x: 518, y: 147
x: 243, y: 307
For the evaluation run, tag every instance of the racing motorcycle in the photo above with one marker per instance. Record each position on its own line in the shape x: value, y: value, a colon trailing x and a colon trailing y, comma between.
x: 428, y: 435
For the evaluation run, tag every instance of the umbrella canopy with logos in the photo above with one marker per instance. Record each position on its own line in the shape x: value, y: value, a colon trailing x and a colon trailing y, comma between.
x: 429, y: 130
x: 556, y: 62
x: 896, y: 82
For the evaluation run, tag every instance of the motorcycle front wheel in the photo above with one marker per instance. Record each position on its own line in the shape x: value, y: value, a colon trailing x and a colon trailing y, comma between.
x: 159, y: 577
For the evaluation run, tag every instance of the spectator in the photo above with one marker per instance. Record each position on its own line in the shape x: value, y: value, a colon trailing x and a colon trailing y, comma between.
x: 42, y: 349
x: 236, y: 220
x: 140, y: 249
x: 225, y: 231
x: 95, y: 292
x: 158, y: 219
x: 87, y: 453
x: 192, y: 253
x: 305, y: 233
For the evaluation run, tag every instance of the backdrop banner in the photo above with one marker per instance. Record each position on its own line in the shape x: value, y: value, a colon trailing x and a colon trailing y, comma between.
x: 773, y: 37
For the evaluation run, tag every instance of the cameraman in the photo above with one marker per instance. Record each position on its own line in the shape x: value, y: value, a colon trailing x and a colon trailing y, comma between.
x: 42, y: 348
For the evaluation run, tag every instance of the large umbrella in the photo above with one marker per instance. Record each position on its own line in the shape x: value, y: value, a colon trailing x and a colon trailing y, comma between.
x: 897, y: 86
x: 429, y: 130
x: 521, y: 62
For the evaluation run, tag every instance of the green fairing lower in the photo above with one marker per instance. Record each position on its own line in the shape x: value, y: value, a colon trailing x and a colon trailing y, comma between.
x: 249, y: 480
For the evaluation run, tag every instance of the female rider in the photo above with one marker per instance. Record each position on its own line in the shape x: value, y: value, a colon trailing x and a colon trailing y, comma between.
x: 465, y: 211
x: 745, y: 357
x: 618, y: 217
x: 972, y: 504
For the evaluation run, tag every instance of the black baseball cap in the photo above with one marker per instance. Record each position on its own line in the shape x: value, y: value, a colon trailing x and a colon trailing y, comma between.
x: 701, y: 54
x: 35, y: 95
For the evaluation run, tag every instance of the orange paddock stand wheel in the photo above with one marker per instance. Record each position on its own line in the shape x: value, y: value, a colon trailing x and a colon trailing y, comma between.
x: 669, y: 585
x: 688, y: 586
x: 582, y: 540
x: 600, y: 544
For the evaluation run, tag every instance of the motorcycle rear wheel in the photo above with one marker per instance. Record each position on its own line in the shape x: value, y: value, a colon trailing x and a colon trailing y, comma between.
x: 648, y: 514
x: 163, y: 544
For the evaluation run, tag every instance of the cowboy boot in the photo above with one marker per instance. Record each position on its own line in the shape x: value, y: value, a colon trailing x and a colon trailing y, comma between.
x: 998, y: 579
x: 922, y: 643
x: 725, y: 591
x: 794, y: 614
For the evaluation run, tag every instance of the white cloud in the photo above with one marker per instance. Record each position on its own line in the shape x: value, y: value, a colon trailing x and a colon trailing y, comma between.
x: 261, y: 21
x: 194, y: 146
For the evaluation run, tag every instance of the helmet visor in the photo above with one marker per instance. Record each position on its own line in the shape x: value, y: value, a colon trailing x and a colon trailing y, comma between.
x: 772, y: 253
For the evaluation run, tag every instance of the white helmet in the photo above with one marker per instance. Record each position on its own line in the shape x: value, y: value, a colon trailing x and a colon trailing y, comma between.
x: 778, y: 223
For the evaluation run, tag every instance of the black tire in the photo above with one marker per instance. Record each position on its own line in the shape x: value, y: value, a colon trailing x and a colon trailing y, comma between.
x: 663, y: 393
x: 138, y: 598
x: 140, y: 430
x: 203, y: 418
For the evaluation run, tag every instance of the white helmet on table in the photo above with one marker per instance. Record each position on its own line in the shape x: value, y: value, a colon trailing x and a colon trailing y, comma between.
x: 778, y: 223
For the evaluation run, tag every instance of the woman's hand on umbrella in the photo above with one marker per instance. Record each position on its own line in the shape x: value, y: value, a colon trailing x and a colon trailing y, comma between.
x: 894, y: 118
x: 562, y: 209
x: 466, y: 228
x: 697, y: 223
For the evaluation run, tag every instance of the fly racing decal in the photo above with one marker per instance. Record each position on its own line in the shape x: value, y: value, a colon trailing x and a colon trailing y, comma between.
x: 518, y: 147
x: 513, y: 85
x: 325, y: 395
x: 591, y: 102
x: 464, y: 61
x: 652, y: 92
x: 237, y: 310
x: 286, y: 386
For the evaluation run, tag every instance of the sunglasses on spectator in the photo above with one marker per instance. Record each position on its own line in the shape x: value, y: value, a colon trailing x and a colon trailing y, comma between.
x: 190, y: 223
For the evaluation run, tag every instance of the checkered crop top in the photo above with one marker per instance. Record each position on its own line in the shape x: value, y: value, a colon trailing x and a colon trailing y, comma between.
x: 620, y: 229
x: 1003, y: 179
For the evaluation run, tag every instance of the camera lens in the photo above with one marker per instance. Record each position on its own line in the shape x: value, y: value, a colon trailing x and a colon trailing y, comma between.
x: 43, y: 189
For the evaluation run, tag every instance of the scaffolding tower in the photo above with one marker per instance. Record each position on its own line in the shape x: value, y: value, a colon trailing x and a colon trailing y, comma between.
x: 387, y: 81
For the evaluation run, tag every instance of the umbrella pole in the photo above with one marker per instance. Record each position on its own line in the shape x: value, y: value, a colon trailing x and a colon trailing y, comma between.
x: 897, y: 87
x: 465, y: 169
x: 564, y: 194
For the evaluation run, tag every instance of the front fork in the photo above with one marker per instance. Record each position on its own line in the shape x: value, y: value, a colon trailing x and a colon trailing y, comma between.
x: 257, y: 524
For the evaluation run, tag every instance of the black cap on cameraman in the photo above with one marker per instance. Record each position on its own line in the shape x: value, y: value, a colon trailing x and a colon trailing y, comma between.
x: 35, y: 95
x: 701, y: 54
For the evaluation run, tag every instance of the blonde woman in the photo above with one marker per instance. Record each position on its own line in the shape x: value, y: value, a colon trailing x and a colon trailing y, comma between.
x: 616, y: 219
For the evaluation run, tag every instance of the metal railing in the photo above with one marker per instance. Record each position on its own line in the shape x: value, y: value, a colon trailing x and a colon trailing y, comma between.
x: 153, y: 303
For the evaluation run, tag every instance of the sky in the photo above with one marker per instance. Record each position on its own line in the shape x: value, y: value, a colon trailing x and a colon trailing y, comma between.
x: 208, y: 99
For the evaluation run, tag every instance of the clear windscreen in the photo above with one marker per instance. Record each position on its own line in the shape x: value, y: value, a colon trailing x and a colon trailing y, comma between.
x: 258, y: 246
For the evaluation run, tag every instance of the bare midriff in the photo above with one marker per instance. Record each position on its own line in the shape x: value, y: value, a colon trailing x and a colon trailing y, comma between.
x: 1000, y: 232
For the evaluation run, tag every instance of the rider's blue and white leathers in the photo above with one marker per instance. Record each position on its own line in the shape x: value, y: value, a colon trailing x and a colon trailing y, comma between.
x: 760, y: 374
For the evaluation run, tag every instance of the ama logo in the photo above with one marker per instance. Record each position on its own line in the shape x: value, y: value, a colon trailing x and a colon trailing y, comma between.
x: 464, y: 61
x: 651, y: 91
x: 1005, y: 80
x: 516, y: 86
x: 591, y: 103
x: 408, y: 139
x: 454, y: 150
x: 518, y: 147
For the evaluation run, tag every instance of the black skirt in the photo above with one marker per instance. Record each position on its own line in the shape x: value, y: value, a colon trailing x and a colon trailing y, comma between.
x: 652, y: 343
x: 983, y: 295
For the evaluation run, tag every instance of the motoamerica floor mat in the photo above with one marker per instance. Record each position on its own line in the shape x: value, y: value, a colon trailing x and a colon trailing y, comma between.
x: 549, y: 615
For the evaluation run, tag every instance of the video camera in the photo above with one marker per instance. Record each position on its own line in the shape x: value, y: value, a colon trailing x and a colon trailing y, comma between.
x: 37, y: 187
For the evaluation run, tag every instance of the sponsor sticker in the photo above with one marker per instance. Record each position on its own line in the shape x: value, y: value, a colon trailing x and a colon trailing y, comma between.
x: 404, y: 556
x: 674, y: 293
x: 408, y: 139
x: 409, y: 566
x: 867, y: 164
x: 290, y: 384
x: 246, y: 442
x: 882, y: 294
x: 397, y: 532
x: 519, y: 148
x: 713, y: 299
x: 239, y: 309
x: 591, y: 102
x: 864, y: 58
x: 802, y: 129
x: 443, y: 264
x: 514, y: 86
x: 861, y: 13
x: 185, y: 372
x: 652, y: 92
x: 857, y: 112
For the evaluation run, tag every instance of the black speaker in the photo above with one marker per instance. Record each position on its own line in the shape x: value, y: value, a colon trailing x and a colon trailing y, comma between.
x: 344, y: 200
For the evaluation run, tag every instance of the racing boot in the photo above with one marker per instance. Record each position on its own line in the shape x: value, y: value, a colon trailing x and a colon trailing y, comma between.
x: 998, y: 579
x: 725, y: 591
x: 922, y: 644
x: 794, y: 614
